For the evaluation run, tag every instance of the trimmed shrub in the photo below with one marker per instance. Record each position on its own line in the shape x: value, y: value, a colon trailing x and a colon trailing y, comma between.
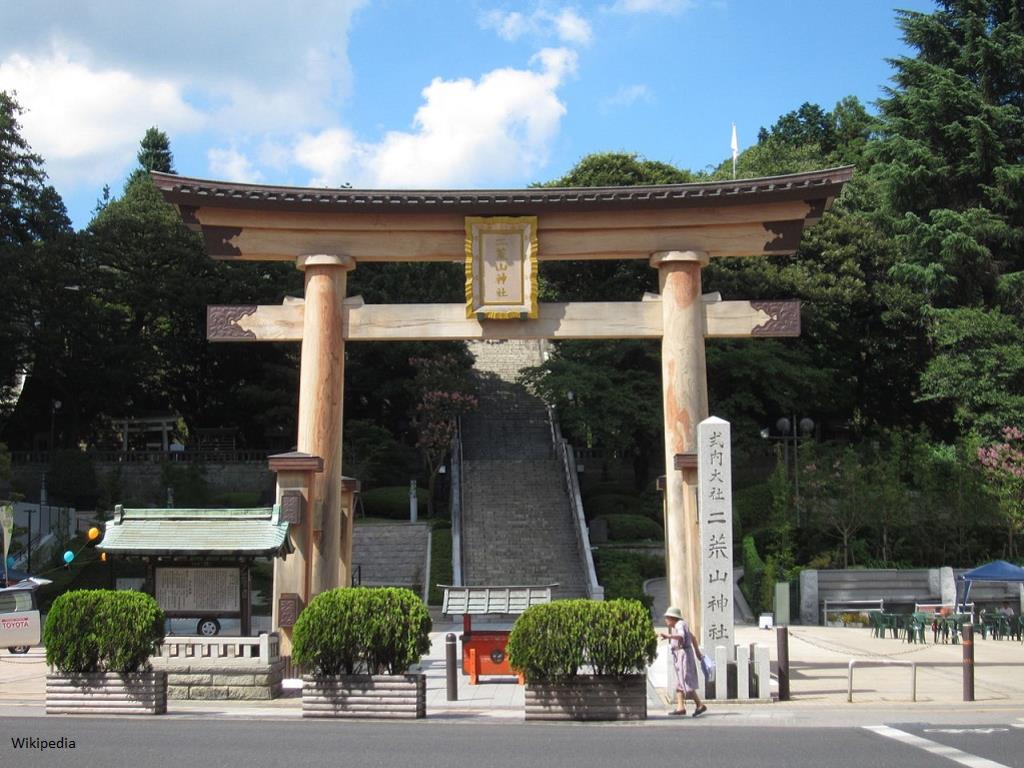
x: 605, y: 504
x: 622, y: 574
x: 561, y: 639
x: 632, y: 528
x: 393, y: 502
x: 102, y: 630
x: 348, y: 631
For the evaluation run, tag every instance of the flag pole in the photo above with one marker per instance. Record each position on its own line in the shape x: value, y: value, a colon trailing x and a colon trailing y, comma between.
x: 735, y: 150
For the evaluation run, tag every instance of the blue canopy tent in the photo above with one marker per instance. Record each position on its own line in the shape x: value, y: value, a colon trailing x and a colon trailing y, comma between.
x: 997, y: 570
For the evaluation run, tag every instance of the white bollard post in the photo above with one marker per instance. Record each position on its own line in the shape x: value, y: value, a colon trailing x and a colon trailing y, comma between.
x: 721, y: 672
x: 763, y: 671
x: 742, y: 672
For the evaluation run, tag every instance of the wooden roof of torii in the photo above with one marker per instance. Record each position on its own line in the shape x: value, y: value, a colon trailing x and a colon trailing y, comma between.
x: 745, y: 217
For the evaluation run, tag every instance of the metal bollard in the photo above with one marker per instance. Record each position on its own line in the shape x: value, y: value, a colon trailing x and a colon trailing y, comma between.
x: 967, y: 631
x: 782, y: 651
x: 451, y: 667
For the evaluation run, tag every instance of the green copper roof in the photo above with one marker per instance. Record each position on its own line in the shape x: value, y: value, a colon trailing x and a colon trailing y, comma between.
x: 200, y: 531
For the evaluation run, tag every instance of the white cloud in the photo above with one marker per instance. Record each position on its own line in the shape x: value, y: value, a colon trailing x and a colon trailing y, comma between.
x: 232, y: 165
x: 329, y: 154
x: 509, y: 26
x: 87, y: 122
x: 625, y: 96
x: 573, y: 28
x: 651, y: 6
x: 567, y: 25
x: 92, y: 85
x: 466, y: 133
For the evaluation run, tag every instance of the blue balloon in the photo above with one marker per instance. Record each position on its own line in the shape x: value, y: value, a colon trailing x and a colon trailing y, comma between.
x: 69, y: 556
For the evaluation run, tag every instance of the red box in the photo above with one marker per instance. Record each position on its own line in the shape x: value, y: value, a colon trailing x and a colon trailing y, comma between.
x: 483, y: 653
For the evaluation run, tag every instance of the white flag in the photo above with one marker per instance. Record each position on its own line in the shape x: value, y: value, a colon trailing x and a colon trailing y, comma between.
x: 735, y: 144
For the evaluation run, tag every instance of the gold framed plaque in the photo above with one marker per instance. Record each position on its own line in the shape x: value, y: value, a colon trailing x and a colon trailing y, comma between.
x: 501, y: 267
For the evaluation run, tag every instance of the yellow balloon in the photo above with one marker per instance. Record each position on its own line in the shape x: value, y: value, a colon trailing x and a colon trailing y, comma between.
x: 94, y: 533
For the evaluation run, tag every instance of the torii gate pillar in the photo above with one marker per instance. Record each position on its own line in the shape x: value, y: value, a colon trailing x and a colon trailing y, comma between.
x: 321, y: 397
x: 685, y: 403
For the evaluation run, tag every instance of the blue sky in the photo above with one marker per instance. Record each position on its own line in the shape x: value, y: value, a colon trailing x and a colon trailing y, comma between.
x: 407, y: 94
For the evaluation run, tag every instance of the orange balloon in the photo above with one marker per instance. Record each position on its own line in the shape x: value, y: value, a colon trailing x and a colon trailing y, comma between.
x: 94, y: 533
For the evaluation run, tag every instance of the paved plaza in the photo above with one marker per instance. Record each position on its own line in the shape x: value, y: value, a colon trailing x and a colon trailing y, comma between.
x: 819, y: 664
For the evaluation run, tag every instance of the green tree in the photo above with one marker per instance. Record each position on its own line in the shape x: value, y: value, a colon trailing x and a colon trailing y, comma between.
x: 37, y: 255
x: 444, y: 393
x: 951, y: 139
x: 155, y: 152
x: 977, y: 369
x: 608, y: 394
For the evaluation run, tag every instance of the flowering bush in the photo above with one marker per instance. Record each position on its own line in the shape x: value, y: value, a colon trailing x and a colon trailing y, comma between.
x: 1003, y: 465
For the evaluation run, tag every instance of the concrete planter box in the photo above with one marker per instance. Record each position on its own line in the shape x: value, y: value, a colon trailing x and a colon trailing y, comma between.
x: 588, y: 697
x: 383, y: 696
x: 106, y: 693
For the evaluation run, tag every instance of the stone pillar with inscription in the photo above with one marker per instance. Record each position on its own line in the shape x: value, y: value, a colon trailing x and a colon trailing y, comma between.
x: 685, y: 402
x: 714, y: 470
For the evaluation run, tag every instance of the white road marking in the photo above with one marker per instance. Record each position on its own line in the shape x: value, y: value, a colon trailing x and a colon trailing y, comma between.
x: 959, y: 756
x: 966, y: 730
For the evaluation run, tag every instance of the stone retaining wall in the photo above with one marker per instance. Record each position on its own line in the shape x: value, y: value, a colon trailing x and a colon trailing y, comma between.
x: 221, y: 682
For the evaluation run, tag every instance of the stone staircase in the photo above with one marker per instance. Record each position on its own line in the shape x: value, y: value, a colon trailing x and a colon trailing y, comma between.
x: 516, y: 521
x: 391, y: 554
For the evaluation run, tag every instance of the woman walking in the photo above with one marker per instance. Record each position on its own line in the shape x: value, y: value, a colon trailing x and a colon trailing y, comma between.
x: 684, y: 657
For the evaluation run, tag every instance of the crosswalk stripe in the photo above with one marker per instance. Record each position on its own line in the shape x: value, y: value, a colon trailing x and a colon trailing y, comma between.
x: 952, y: 753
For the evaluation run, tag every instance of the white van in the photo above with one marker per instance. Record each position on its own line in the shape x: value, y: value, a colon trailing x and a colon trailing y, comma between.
x: 20, y: 626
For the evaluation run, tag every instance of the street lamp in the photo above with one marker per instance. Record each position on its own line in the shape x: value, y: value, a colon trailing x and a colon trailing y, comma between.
x: 789, y: 429
x: 54, y: 407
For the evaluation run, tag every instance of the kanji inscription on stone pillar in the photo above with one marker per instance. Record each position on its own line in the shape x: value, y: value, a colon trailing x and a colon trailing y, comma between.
x: 714, y: 475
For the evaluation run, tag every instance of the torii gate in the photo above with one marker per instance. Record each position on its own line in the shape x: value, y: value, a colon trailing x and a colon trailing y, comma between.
x: 677, y: 228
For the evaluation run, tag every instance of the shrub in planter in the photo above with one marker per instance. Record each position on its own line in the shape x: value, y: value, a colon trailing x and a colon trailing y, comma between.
x: 100, y: 642
x: 560, y: 639
x: 100, y: 630
x: 358, y: 644
x: 584, y: 659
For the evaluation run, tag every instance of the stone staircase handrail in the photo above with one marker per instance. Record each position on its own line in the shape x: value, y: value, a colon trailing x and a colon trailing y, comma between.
x: 455, y: 503
x: 564, y: 451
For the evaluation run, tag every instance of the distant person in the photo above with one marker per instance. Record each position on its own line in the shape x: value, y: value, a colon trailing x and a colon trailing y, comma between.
x: 684, y: 657
x: 1005, y: 609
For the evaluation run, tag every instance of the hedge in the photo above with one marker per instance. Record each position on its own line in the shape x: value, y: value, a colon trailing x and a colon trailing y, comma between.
x: 357, y: 630
x: 561, y: 639
x: 632, y: 528
x: 102, y: 630
x: 393, y: 502
x: 601, y: 505
x: 622, y: 574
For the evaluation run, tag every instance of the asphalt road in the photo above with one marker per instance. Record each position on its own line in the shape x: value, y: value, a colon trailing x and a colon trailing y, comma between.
x: 181, y: 742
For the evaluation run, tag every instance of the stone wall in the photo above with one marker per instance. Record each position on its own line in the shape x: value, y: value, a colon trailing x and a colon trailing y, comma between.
x: 211, y: 681
x: 141, y: 483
